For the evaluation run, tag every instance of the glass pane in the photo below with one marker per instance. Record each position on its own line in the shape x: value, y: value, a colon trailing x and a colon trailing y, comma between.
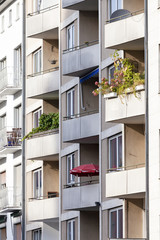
x: 73, y: 230
x: 113, y: 225
x: 68, y: 168
x: 120, y: 151
x: 73, y: 102
x: 111, y: 73
x: 120, y: 224
x: 119, y: 4
x: 72, y: 176
x: 69, y: 231
x: 69, y: 104
x: 72, y: 36
x: 113, y: 6
x: 69, y: 38
x: 40, y: 183
x: 113, y: 153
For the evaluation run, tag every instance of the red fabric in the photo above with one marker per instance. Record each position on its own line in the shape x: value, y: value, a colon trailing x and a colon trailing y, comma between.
x: 85, y: 170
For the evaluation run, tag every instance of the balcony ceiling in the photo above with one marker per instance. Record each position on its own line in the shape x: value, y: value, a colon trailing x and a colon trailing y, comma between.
x: 84, y: 5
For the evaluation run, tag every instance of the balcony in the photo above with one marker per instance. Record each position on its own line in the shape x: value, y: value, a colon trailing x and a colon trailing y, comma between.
x: 43, y: 85
x: 10, y: 199
x: 81, y: 128
x: 41, y: 24
x: 43, y: 210
x: 128, y: 110
x: 81, y: 5
x: 10, y: 82
x: 80, y: 60
x: 129, y: 32
x: 78, y: 196
x: 10, y: 140
x: 43, y: 146
x: 126, y: 184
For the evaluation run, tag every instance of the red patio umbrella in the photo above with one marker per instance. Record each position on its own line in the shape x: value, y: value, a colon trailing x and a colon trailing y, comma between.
x: 85, y: 170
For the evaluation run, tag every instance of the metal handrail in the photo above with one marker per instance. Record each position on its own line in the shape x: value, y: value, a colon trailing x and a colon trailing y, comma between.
x: 127, y: 238
x: 79, y: 184
x: 43, y: 72
x: 86, y: 44
x: 48, y: 132
x: 125, y: 15
x: 42, y: 10
x: 125, y: 168
x: 54, y: 195
x: 80, y: 114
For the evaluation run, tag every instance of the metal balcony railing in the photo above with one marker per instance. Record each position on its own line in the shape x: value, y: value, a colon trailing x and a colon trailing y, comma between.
x: 86, y: 44
x: 80, y: 184
x: 10, y: 197
x: 10, y: 137
x: 127, y: 239
x: 117, y: 169
x: 45, y: 9
x: 50, y: 195
x: 81, y: 114
x: 43, y: 72
x: 10, y: 78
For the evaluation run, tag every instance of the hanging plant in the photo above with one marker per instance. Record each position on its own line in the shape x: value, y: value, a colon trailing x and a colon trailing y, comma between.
x: 124, y: 78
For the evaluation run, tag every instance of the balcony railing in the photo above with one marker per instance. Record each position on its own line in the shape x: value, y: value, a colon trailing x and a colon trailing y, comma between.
x: 86, y: 44
x: 10, y: 197
x: 123, y: 16
x: 43, y: 72
x: 10, y: 137
x: 43, y: 10
x: 50, y: 195
x: 127, y: 238
x: 125, y: 168
x: 79, y: 184
x: 10, y: 78
x: 78, y: 115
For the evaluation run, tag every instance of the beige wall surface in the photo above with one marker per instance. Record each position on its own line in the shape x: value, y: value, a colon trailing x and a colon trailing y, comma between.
x: 134, y: 145
x: 89, y: 228
x: 133, y: 6
x: 137, y: 56
x: 50, y: 177
x: 50, y: 52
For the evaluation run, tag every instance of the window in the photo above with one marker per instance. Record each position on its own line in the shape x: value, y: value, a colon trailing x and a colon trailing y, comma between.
x: 36, y: 5
x: 70, y: 37
x: 37, y: 183
x: 114, y: 5
x: 10, y: 17
x: 36, y: 116
x: 3, y: 180
x: 17, y: 231
x: 18, y: 116
x: 3, y: 64
x: 17, y: 11
x: 71, y: 230
x: 70, y: 103
x: 70, y: 165
x: 37, y: 65
x: 115, y: 152
x: 3, y: 121
x: 2, y: 24
x: 111, y: 72
x: 37, y: 234
x: 116, y: 223
x: 17, y: 65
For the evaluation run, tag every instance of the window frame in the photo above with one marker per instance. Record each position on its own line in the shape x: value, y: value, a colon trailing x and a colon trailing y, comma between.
x: 40, y: 192
x: 37, y: 65
x: 10, y: 19
x: 72, y: 222
x: 72, y: 103
x: 39, y: 231
x: 71, y: 26
x: 2, y: 24
x: 3, y: 64
x: 17, y: 11
x: 18, y: 116
x: 70, y: 177
x: 18, y: 65
x: 117, y: 149
x: 3, y: 121
x: 39, y: 111
x: 109, y: 7
x: 117, y: 223
x: 109, y: 72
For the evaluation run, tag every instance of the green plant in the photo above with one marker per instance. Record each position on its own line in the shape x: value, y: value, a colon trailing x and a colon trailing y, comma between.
x: 124, y: 77
x: 46, y: 122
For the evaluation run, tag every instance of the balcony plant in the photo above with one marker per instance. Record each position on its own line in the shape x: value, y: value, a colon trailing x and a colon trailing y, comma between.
x: 46, y: 122
x: 125, y: 78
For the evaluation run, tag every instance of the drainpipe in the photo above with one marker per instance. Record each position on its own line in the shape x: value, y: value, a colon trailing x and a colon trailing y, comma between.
x: 146, y: 119
x: 100, y: 124
x: 23, y: 119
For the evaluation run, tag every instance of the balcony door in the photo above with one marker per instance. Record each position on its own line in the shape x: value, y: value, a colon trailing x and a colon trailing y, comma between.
x: 114, y: 5
x: 71, y: 230
x: 115, y: 152
x: 116, y: 223
x: 37, y: 61
x: 70, y: 103
x: 17, y: 66
x: 37, y: 183
x: 70, y: 37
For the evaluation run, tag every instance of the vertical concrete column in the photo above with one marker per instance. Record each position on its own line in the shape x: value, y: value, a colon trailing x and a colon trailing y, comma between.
x: 9, y: 228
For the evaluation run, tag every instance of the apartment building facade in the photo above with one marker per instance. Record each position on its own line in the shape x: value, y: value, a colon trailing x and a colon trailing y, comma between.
x: 42, y: 93
x: 10, y: 119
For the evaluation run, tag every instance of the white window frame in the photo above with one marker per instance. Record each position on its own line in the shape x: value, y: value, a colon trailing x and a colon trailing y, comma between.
x: 109, y: 7
x: 10, y: 18
x: 117, y: 147
x: 39, y: 231
x: 17, y: 11
x: 39, y: 195
x: 72, y: 222
x: 37, y: 5
x: 115, y: 210
x: 3, y: 63
x: 70, y: 46
x: 37, y: 65
x: 18, y: 65
x: 39, y: 111
x: 70, y: 165
x: 109, y: 72
x: 18, y: 116
x: 72, y: 102
x: 3, y: 121
x: 2, y: 24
